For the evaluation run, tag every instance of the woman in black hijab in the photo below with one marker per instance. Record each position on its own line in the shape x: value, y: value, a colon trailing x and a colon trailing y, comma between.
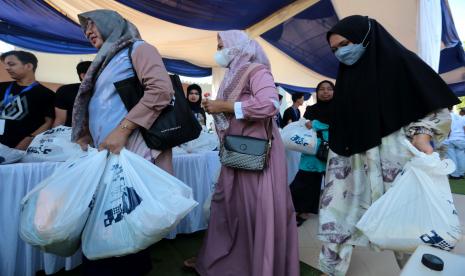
x: 194, y: 97
x: 305, y: 189
x: 384, y: 93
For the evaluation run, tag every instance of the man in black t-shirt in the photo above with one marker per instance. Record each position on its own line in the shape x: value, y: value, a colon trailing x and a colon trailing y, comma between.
x: 65, y: 96
x: 292, y: 114
x: 26, y: 106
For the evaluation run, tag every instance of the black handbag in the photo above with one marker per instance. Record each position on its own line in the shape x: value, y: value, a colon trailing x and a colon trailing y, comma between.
x: 175, y: 125
x: 323, y: 149
x: 245, y: 152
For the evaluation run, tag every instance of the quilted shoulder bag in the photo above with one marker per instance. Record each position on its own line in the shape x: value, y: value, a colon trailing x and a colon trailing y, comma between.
x: 245, y: 152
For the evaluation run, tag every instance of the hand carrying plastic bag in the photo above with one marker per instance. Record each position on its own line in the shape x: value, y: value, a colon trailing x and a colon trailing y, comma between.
x: 417, y: 210
x: 54, y: 213
x: 9, y: 155
x: 137, y: 204
x: 52, y: 145
x: 297, y: 137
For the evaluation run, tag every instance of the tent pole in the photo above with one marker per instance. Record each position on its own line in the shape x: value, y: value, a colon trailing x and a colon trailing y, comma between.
x: 279, y: 17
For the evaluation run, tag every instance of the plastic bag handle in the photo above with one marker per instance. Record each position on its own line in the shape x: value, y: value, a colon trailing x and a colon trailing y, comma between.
x: 412, y: 148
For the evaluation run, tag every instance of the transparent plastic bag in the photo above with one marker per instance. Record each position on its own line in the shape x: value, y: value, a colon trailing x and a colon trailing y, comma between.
x: 54, y: 213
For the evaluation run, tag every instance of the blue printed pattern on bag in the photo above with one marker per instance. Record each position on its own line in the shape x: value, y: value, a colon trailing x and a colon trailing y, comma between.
x: 299, y: 140
x: 454, y: 212
x: 42, y: 149
x: 123, y: 199
x: 92, y: 202
x: 437, y: 241
x: 56, y: 130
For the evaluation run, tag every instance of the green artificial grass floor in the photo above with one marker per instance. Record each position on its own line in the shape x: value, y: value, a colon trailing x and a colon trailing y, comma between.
x: 457, y: 186
x: 168, y: 256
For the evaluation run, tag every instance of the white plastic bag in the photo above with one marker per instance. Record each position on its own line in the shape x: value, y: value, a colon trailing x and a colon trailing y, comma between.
x: 52, y: 145
x: 137, y: 204
x: 179, y: 151
x: 9, y: 155
x: 54, y: 213
x: 417, y: 210
x: 297, y: 137
x: 204, y: 143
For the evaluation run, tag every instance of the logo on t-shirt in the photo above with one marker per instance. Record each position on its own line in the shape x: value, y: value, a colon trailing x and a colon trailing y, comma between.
x: 16, y: 110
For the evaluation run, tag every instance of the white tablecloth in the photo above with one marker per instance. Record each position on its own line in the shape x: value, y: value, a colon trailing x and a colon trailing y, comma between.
x: 18, y: 258
x: 199, y: 171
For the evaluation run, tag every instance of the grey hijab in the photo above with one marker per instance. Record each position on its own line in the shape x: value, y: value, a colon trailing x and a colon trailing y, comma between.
x: 117, y: 34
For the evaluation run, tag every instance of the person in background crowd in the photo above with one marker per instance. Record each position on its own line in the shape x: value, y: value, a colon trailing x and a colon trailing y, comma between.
x: 279, y: 118
x: 194, y: 97
x: 456, y: 145
x: 384, y: 94
x: 252, y: 228
x: 292, y: 114
x: 65, y: 95
x: 100, y: 117
x: 462, y: 111
x: 306, y: 187
x: 26, y: 107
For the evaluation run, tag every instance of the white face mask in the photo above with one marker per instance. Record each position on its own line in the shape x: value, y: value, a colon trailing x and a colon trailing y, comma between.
x: 222, y: 57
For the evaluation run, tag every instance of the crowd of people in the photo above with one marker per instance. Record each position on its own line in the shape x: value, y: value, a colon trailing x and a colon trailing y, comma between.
x: 455, y: 144
x: 383, y: 93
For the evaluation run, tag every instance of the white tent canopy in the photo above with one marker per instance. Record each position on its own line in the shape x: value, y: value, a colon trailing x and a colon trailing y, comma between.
x: 197, y: 46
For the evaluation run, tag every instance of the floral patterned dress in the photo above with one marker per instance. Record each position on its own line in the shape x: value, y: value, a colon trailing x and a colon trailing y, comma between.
x: 353, y: 183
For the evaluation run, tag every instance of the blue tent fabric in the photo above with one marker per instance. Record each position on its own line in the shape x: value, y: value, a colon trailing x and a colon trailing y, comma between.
x: 209, y: 14
x: 36, y: 25
x: 22, y: 38
x: 291, y: 89
x: 184, y: 68
x: 458, y: 88
x: 449, y: 36
x: 453, y: 56
x: 303, y: 38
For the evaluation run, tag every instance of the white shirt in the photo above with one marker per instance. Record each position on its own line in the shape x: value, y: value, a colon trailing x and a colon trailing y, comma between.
x: 457, y: 127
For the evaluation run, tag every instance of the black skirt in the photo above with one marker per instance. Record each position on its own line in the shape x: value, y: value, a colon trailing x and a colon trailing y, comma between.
x: 137, y: 264
x: 305, y: 191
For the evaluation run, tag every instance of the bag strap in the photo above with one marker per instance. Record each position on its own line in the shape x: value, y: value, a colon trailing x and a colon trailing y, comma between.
x: 319, y: 134
x: 175, y: 80
x: 269, y: 130
x: 130, y: 48
x: 250, y: 71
